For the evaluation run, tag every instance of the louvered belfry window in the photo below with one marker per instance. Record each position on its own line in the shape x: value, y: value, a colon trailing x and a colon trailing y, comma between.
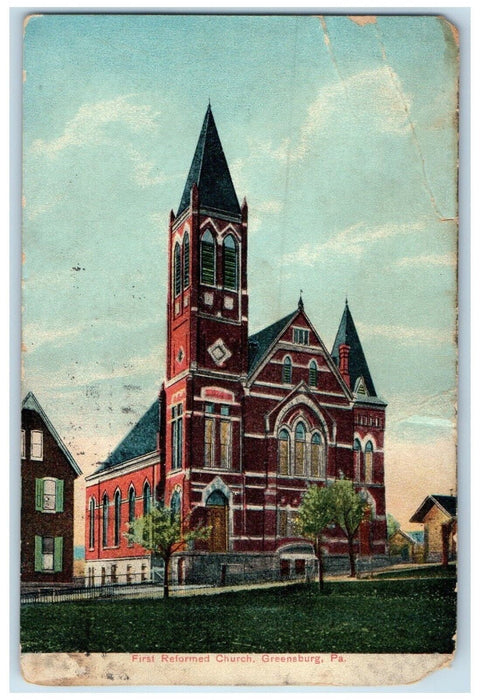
x: 230, y: 264
x: 177, y: 282
x: 186, y: 261
x: 207, y: 258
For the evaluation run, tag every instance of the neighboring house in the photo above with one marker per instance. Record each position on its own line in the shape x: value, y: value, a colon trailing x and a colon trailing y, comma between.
x: 48, y: 473
x: 243, y: 424
x: 439, y: 517
x: 407, y: 545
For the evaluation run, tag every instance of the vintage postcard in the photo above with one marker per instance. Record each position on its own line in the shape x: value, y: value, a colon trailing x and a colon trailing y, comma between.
x: 238, y: 444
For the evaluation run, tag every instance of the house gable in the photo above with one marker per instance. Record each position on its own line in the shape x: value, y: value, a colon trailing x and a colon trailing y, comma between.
x: 30, y: 403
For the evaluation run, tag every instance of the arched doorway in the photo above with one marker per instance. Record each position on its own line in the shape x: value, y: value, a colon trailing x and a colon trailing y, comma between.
x: 217, y: 519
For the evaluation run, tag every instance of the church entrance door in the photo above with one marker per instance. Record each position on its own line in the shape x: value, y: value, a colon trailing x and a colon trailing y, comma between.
x: 217, y: 519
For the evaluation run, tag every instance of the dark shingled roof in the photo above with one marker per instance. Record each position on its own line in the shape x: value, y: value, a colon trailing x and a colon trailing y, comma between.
x: 210, y: 171
x: 446, y: 503
x: 357, y: 364
x: 259, y: 343
x: 141, y: 440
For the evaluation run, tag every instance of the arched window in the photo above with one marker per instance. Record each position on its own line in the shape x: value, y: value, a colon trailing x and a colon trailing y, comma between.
x: 116, y: 523
x: 357, y: 449
x: 105, y: 521
x: 146, y: 499
x: 91, y: 526
x: 369, y: 462
x: 207, y: 258
x: 287, y: 371
x: 177, y: 265
x: 317, y: 456
x: 175, y: 504
x: 283, y: 452
x: 230, y: 263
x: 186, y: 261
x: 300, y: 449
x: 131, y: 504
x: 312, y: 373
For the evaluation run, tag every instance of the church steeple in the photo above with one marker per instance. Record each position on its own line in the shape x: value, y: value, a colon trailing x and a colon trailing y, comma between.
x: 357, y: 365
x: 209, y: 170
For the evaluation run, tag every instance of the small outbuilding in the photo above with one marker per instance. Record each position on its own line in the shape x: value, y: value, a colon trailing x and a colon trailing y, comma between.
x: 438, y: 514
x: 407, y: 545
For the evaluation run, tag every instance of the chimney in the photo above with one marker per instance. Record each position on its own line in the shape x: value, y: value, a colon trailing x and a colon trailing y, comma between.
x: 344, y: 352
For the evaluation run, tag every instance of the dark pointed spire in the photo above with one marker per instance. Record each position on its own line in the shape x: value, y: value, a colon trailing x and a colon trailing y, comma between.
x: 209, y: 170
x: 300, y: 301
x: 357, y: 364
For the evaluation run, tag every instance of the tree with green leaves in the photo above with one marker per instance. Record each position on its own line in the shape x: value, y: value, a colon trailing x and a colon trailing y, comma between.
x: 347, y: 511
x: 314, y: 515
x: 392, y: 525
x: 162, y: 532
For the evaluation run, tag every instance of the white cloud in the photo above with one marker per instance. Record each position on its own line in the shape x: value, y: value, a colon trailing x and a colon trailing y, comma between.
x: 143, y: 169
x: 378, y: 88
x: 88, y: 126
x: 36, y: 334
x: 350, y: 241
x: 406, y: 335
x: 435, y: 259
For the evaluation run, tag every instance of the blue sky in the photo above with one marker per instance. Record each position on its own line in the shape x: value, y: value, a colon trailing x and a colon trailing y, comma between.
x: 341, y: 135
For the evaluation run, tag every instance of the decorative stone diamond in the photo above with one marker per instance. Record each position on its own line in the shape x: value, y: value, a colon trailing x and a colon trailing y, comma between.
x: 219, y: 352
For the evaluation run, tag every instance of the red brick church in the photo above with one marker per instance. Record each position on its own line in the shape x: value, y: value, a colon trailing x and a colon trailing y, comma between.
x: 243, y: 424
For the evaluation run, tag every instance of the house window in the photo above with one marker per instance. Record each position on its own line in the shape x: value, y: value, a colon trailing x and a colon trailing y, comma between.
x: 186, y: 261
x: 225, y: 444
x: 357, y: 450
x: 117, y: 521
x: 36, y: 445
x: 105, y: 521
x: 209, y: 442
x: 49, y: 495
x: 147, y: 499
x: 48, y: 554
x: 207, y: 258
x: 317, y: 456
x: 230, y: 263
x: 369, y: 462
x: 287, y: 371
x: 177, y: 436
x: 283, y: 452
x: 209, y: 408
x: 301, y: 336
x: 313, y: 373
x: 91, y: 524
x: 177, y: 280
x: 300, y: 449
x: 224, y: 410
x: 23, y: 450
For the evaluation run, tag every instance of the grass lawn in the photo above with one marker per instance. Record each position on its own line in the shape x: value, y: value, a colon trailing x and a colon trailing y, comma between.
x: 435, y: 571
x: 372, y: 616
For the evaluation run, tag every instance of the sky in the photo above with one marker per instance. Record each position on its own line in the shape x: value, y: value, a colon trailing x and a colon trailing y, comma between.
x: 342, y: 136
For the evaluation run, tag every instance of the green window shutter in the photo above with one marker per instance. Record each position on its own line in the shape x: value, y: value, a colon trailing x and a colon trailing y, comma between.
x: 38, y: 494
x: 38, y: 553
x: 230, y: 268
x: 59, y: 496
x: 207, y: 254
x: 58, y: 554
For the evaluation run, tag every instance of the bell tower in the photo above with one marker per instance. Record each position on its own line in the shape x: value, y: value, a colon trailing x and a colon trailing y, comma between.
x: 207, y: 323
x: 207, y: 291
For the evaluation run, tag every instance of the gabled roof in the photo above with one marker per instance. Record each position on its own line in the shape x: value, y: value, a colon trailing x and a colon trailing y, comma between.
x: 141, y: 440
x: 447, y: 504
x: 357, y: 364
x: 30, y: 403
x: 412, y: 537
x: 210, y: 171
x: 258, y: 343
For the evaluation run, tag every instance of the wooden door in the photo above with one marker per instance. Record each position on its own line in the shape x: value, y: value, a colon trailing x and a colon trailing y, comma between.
x: 217, y: 520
